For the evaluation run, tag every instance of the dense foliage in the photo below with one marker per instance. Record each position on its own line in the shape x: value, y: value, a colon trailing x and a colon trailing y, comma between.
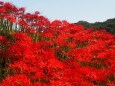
x: 37, y: 52
x: 108, y: 25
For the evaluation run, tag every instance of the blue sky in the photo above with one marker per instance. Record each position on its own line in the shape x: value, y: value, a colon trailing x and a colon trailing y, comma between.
x: 70, y: 10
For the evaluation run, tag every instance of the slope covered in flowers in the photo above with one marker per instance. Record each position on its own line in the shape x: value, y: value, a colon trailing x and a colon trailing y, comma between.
x: 37, y: 52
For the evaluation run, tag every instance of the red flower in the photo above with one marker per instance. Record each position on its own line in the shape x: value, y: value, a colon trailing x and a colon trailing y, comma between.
x: 31, y: 30
x: 8, y: 6
x: 1, y: 3
x: 2, y: 10
x: 22, y: 37
x: 22, y: 9
x: 16, y: 80
x: 56, y: 24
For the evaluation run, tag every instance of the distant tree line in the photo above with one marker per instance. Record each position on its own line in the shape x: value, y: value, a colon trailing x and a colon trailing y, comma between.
x: 108, y: 25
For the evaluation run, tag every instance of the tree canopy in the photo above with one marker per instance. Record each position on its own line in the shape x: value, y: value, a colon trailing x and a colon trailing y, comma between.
x: 108, y: 25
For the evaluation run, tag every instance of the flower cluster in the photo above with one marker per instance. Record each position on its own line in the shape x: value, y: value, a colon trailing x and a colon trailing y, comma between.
x: 44, y: 53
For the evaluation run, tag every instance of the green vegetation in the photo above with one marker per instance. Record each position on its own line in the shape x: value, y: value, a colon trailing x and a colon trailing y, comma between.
x: 108, y: 25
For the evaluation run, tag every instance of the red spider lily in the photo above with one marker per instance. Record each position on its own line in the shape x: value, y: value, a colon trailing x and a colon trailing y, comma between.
x: 18, y: 80
x: 37, y: 13
x: 11, y: 19
x: 23, y: 24
x: 31, y: 30
x: 47, y: 34
x: 22, y: 37
x: 56, y: 24
x: 37, y: 52
x: 8, y: 6
x: 2, y: 10
x: 1, y: 38
x: 37, y: 84
x: 1, y: 3
x: 20, y: 67
x: 22, y: 9
x: 60, y: 83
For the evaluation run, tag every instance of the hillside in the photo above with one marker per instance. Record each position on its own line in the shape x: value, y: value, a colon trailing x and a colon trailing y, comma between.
x: 108, y: 25
x: 37, y: 52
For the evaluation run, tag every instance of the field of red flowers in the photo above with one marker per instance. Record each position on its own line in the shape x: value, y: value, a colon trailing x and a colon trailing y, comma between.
x: 37, y: 52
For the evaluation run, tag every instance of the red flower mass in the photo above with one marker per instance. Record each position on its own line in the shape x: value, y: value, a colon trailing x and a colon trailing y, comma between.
x: 37, y: 52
